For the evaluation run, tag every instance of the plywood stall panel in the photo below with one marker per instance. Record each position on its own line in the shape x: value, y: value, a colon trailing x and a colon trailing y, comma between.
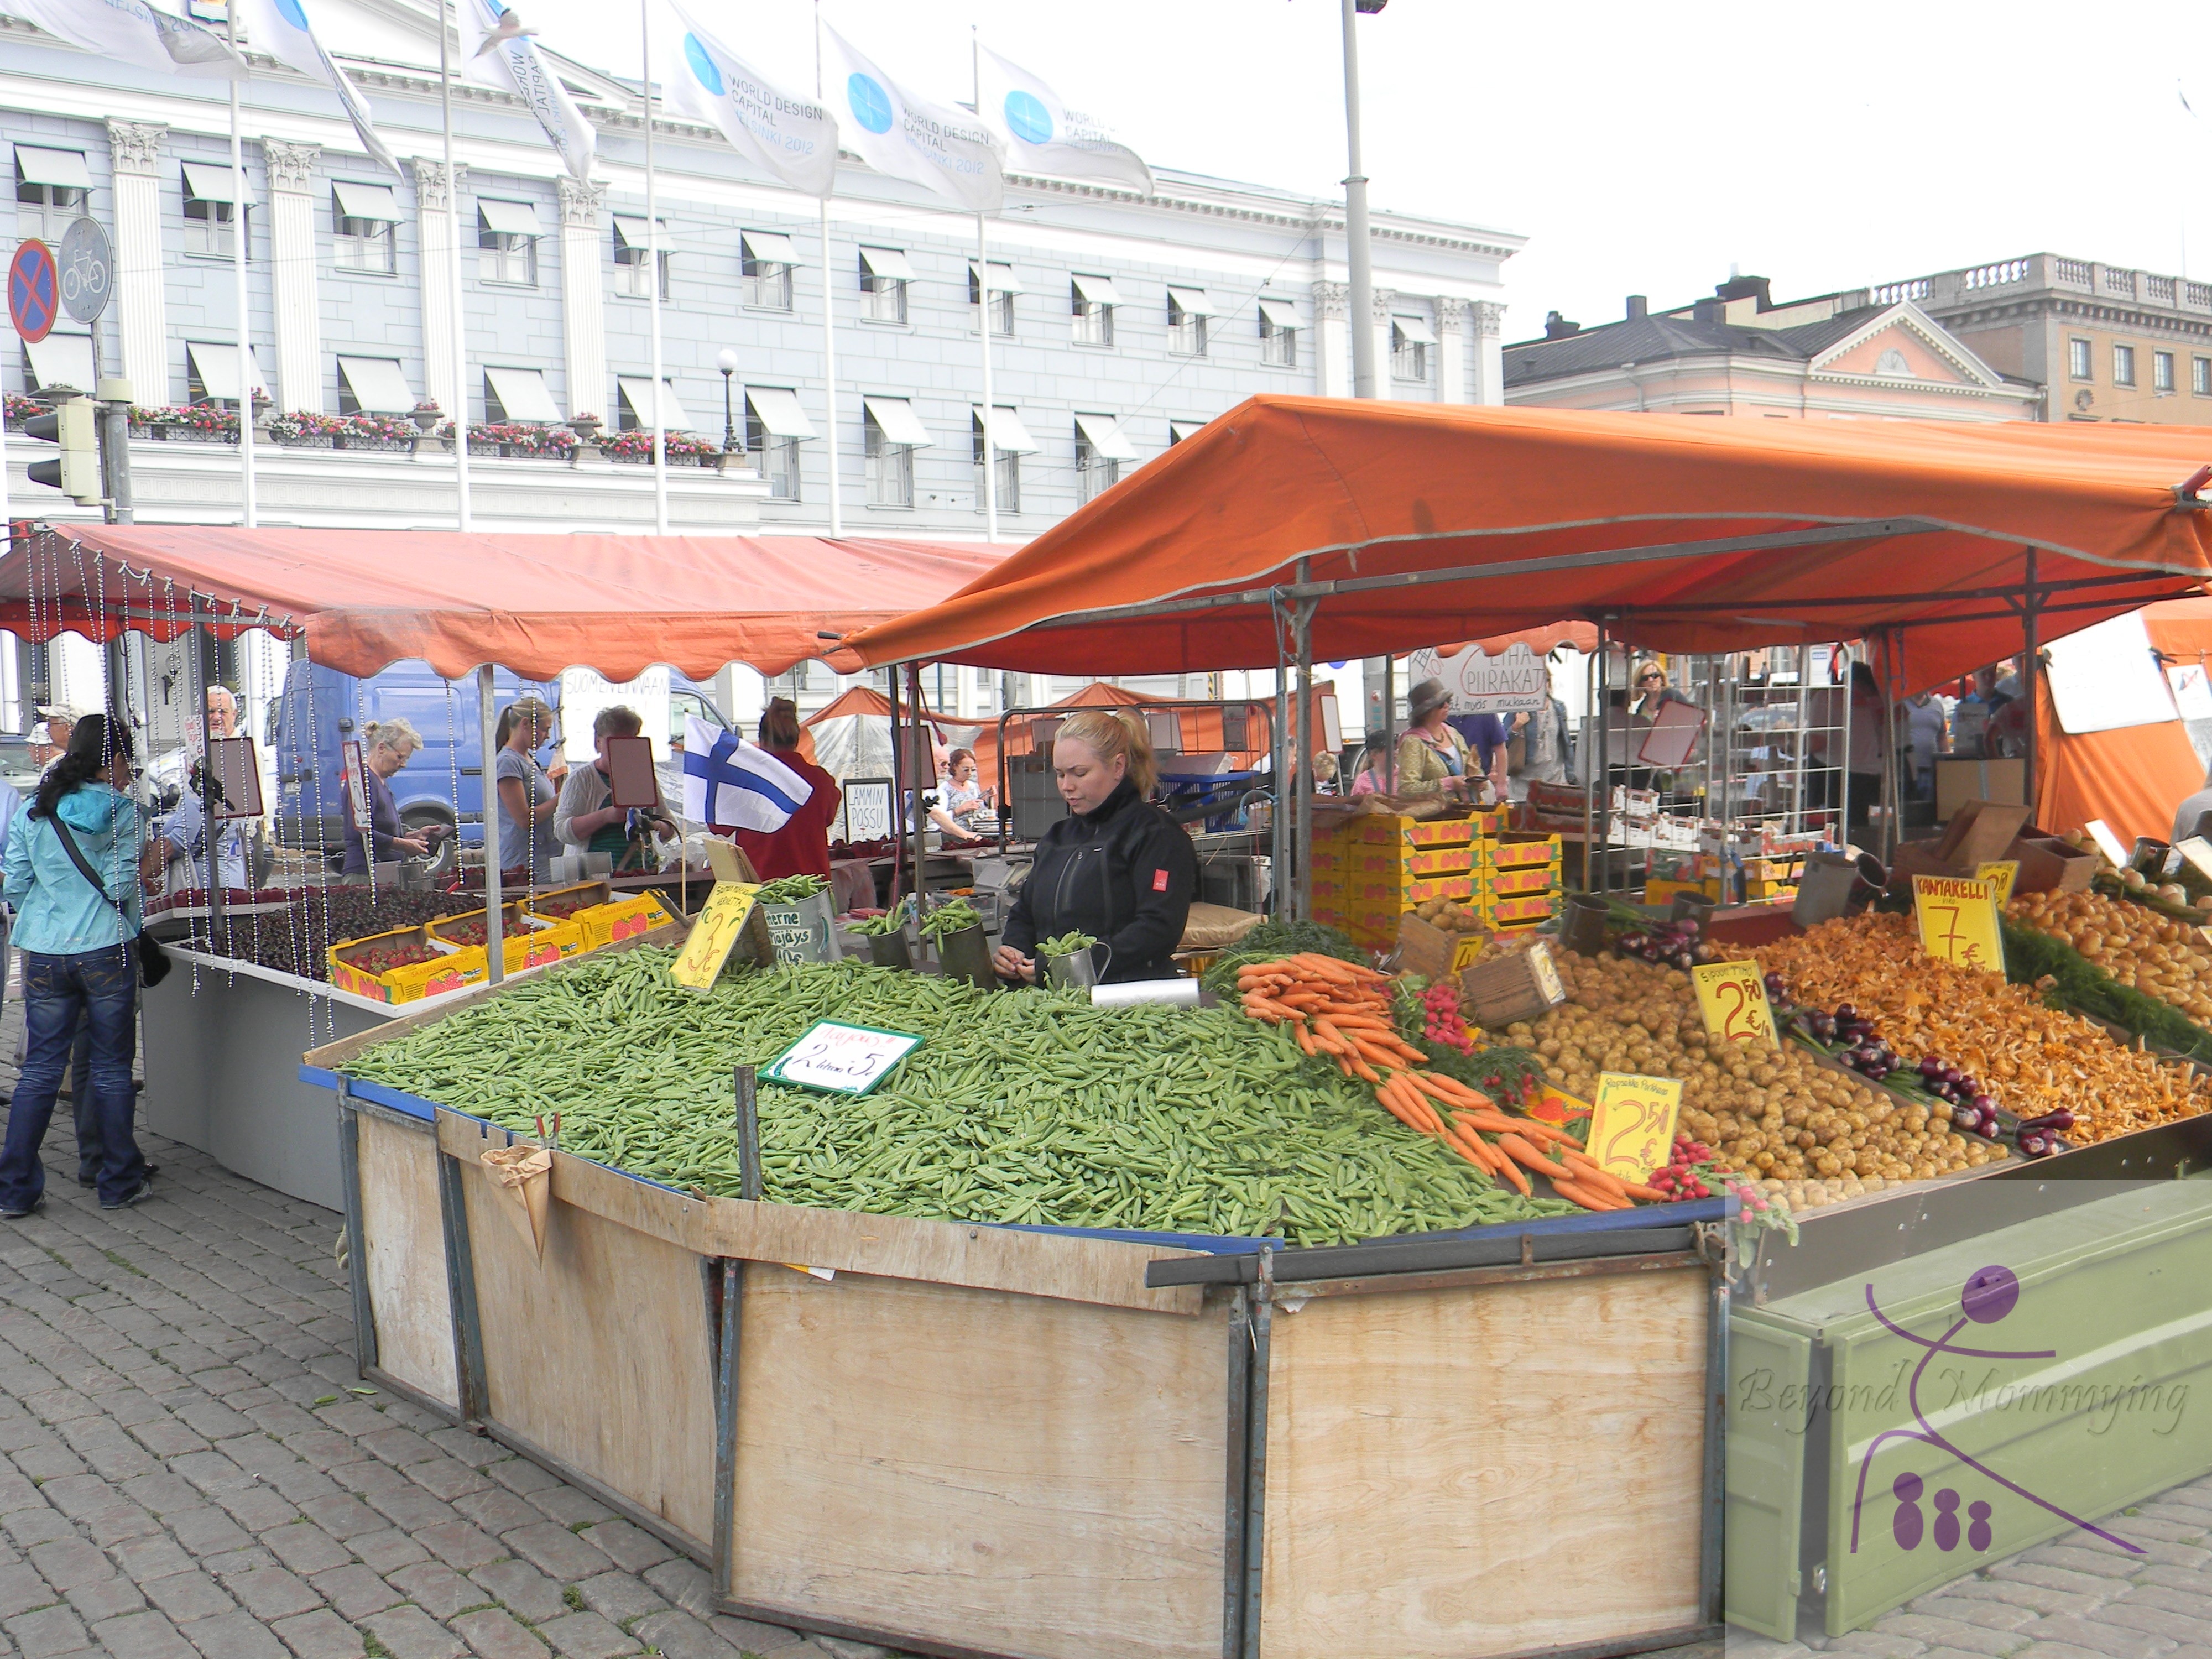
x: 403, y: 1249
x: 1450, y: 1470
x: 1014, y: 1473
x: 598, y: 1354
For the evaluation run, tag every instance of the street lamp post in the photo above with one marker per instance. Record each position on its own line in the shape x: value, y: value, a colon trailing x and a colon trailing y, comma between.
x: 1363, y: 384
x: 726, y: 361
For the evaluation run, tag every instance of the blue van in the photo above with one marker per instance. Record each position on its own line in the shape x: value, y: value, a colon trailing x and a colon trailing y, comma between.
x: 321, y: 709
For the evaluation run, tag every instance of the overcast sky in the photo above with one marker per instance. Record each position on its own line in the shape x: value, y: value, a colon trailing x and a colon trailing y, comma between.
x: 1641, y: 149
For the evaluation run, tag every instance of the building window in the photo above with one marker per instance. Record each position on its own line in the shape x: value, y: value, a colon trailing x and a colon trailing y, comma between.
x: 765, y: 261
x: 2200, y: 376
x: 1003, y: 285
x: 51, y: 187
x: 1178, y: 430
x: 211, y: 374
x: 2078, y: 359
x: 59, y: 360
x: 885, y: 274
x: 632, y: 252
x: 372, y: 385
x: 893, y: 432
x: 1188, y: 310
x: 212, y: 211
x: 2161, y: 371
x: 1092, y: 299
x: 774, y: 427
x: 634, y: 413
x: 1100, y: 449
x: 1011, y: 440
x: 1410, y: 340
x: 506, y: 242
x: 517, y: 395
x: 1279, y: 333
x: 365, y: 223
x: 2123, y: 364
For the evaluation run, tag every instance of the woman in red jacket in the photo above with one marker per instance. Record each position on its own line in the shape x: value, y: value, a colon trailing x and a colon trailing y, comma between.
x: 801, y: 848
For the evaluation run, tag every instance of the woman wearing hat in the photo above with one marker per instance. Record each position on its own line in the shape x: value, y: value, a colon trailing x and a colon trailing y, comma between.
x: 1432, y: 758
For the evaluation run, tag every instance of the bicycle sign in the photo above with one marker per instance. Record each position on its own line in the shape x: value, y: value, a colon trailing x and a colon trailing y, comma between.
x: 87, y: 270
x: 33, y: 290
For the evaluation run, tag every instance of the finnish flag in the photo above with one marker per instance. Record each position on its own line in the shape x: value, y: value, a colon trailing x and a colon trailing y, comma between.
x: 729, y: 780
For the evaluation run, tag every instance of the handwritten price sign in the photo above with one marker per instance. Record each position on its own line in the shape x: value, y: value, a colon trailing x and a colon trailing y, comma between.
x: 722, y: 921
x: 1733, y: 999
x: 1632, y: 1124
x: 2001, y: 876
x: 846, y: 1059
x: 1958, y: 919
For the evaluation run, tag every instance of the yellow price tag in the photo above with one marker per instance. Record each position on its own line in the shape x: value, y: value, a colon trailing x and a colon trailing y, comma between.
x: 722, y: 921
x: 2001, y: 876
x: 1732, y: 997
x: 1957, y: 921
x: 1632, y: 1124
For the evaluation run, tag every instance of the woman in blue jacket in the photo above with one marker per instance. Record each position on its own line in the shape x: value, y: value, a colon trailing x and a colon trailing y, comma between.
x: 78, y: 929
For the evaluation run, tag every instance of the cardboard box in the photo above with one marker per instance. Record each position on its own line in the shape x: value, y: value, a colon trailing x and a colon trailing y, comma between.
x: 1979, y: 833
x: 1520, y: 985
x: 451, y: 970
x: 2048, y: 865
x: 1440, y: 887
x: 1435, y: 953
x: 1519, y: 852
x: 1504, y: 913
x: 1507, y: 883
x: 1388, y: 830
x: 1958, y: 781
x: 1410, y: 863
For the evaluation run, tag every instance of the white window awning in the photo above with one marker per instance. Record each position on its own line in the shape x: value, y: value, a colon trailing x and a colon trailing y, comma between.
x: 895, y: 419
x: 629, y: 232
x: 1008, y: 435
x: 770, y: 248
x: 1001, y: 279
x: 778, y: 410
x: 886, y: 262
x: 507, y: 218
x: 522, y: 393
x: 1415, y: 328
x: 1103, y: 434
x: 215, y: 365
x: 1191, y: 301
x: 375, y: 202
x: 62, y: 360
x: 204, y: 182
x: 637, y: 392
x: 37, y: 164
x: 377, y: 384
x: 1095, y: 290
x: 1178, y: 430
x: 1279, y: 313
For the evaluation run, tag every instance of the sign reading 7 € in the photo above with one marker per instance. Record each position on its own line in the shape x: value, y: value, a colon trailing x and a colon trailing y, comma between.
x: 1958, y: 919
x: 1732, y: 998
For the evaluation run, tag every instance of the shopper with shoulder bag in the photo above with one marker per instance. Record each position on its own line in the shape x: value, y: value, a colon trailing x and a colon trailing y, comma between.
x: 70, y: 872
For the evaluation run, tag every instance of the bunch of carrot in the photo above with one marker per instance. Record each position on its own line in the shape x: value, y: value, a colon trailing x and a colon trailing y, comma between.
x: 1343, y: 1010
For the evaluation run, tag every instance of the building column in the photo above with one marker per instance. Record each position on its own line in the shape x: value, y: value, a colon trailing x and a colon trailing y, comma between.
x: 1451, y: 351
x: 1385, y: 298
x: 141, y: 316
x: 1331, y: 353
x: 583, y: 299
x: 438, y: 320
x: 292, y: 264
x: 1489, y: 354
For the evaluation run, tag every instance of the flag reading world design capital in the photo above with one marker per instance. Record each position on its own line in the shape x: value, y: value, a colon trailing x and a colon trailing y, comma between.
x: 729, y: 780
x: 1043, y: 135
x: 937, y: 146
x: 794, y: 138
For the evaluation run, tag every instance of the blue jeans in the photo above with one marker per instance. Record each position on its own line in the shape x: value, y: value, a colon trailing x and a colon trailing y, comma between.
x: 102, y: 986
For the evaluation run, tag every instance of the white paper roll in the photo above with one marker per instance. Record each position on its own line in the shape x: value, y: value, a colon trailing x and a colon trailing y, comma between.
x: 1177, y: 992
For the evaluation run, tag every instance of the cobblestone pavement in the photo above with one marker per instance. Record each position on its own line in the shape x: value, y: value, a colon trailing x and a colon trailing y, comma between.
x: 2077, y: 1597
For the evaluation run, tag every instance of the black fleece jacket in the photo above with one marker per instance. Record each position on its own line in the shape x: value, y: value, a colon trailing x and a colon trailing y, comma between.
x: 1123, y: 873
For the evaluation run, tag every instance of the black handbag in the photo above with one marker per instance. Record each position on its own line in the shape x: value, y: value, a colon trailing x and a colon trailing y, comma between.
x: 153, y: 963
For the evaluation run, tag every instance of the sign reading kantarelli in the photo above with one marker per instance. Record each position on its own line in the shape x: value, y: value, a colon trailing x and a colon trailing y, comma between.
x: 1519, y: 680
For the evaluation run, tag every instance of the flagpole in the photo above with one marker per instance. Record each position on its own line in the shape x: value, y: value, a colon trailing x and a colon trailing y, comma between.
x: 828, y: 320
x: 653, y: 284
x: 983, y: 292
x: 460, y: 389
x: 245, y: 482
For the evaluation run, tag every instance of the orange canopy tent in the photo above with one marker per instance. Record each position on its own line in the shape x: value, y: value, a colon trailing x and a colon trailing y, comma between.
x: 534, y: 603
x: 1411, y: 524
x: 2134, y: 777
x: 1202, y: 730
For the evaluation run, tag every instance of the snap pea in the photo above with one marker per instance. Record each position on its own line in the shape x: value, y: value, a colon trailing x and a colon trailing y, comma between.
x: 1067, y: 944
x: 1033, y: 1107
x: 791, y: 890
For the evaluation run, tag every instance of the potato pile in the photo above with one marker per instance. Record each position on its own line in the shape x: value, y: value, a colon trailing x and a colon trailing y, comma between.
x: 2031, y: 1057
x: 1812, y: 1132
x: 1449, y: 915
x: 2154, y: 954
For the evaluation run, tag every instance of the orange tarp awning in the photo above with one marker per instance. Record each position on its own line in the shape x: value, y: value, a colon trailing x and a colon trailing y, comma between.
x: 2134, y: 777
x: 1706, y: 535
x: 536, y: 604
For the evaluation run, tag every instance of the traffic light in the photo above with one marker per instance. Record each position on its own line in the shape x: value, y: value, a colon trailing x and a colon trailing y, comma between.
x: 76, y: 471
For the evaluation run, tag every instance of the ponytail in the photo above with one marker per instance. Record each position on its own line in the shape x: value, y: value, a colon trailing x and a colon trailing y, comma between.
x: 1108, y: 732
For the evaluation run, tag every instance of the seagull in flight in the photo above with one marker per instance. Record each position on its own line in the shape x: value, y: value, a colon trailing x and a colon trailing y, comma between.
x: 509, y: 27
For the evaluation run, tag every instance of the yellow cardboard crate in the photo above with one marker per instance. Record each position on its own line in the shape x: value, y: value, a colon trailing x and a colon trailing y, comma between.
x: 449, y: 971
x: 1504, y: 913
x: 626, y: 918
x: 1440, y: 887
x: 1509, y: 883
x: 1388, y: 830
x: 1519, y: 852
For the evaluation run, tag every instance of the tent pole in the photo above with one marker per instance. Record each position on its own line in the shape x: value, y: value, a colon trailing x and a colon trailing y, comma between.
x: 1278, y: 820
x: 2027, y: 689
x: 1302, y: 772
x: 1585, y: 754
x: 1602, y: 847
x: 923, y: 778
x: 898, y: 795
x: 1390, y: 722
x: 487, y: 728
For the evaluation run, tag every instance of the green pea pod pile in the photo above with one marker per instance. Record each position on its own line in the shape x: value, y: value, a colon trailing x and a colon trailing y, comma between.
x: 1030, y: 1107
x: 1067, y: 944
x: 956, y: 916
x: 791, y: 890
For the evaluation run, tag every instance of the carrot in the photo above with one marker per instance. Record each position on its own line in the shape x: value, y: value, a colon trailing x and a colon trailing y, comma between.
x: 1648, y: 1195
x: 1305, y: 1038
x: 1586, y: 1198
x: 1512, y: 1171
x: 1491, y: 1122
x: 1473, y: 1150
x: 1521, y: 1153
x: 1586, y: 1173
